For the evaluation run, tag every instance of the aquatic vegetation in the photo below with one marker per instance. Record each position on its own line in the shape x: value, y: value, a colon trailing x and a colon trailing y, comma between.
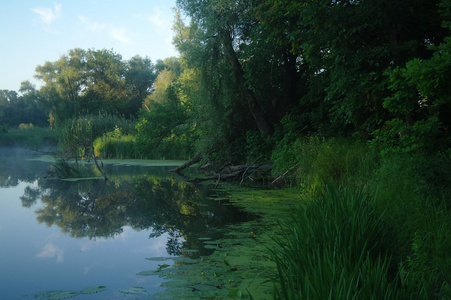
x: 93, y: 289
x: 56, y: 294
x: 239, y: 265
x: 135, y: 290
x: 60, y: 294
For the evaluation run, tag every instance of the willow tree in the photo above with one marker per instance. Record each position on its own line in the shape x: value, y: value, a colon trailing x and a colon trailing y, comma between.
x: 216, y: 31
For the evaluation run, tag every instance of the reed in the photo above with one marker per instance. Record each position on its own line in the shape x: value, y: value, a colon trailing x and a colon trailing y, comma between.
x: 88, y: 128
x: 338, y: 247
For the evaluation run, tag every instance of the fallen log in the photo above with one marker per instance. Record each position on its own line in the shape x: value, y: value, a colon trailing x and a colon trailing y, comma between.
x: 193, y: 161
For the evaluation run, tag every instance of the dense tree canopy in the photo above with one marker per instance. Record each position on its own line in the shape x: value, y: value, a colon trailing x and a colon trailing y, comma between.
x: 23, y: 108
x: 327, y: 67
x: 88, y: 81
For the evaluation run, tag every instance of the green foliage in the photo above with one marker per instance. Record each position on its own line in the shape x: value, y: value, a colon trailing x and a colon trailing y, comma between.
x: 164, y: 129
x: 335, y: 248
x: 114, y: 144
x: 258, y: 147
x: 25, y: 108
x: 74, y: 132
x: 421, y: 102
x: 319, y: 160
x: 416, y: 196
x: 89, y: 81
x: 23, y: 126
x: 31, y: 137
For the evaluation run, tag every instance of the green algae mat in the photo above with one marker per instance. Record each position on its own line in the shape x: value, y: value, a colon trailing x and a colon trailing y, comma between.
x: 239, y: 267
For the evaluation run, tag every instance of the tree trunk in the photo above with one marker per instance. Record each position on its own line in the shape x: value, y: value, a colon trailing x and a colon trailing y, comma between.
x: 260, y: 119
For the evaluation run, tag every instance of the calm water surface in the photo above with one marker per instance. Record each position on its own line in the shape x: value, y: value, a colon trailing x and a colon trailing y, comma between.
x: 69, y: 236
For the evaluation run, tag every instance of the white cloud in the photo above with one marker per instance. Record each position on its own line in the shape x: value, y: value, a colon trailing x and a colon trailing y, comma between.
x: 121, y: 35
x: 48, y: 15
x: 118, y: 33
x: 162, y: 24
x: 50, y: 250
x: 92, y: 26
x: 158, y: 21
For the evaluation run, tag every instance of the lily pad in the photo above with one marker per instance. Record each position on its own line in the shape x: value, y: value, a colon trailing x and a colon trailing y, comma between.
x: 157, y: 258
x: 63, y: 295
x: 185, y: 260
x: 93, y: 289
x: 163, y: 266
x: 46, y: 294
x: 149, y: 273
x: 135, y: 290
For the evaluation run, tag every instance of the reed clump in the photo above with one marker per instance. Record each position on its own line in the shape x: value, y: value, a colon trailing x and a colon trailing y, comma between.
x: 337, y: 247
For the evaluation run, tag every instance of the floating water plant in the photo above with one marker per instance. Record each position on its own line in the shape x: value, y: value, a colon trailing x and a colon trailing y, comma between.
x: 135, y: 290
x: 163, y: 266
x: 63, y: 295
x: 157, y: 258
x: 46, y: 294
x: 149, y: 273
x: 93, y: 289
x: 60, y: 294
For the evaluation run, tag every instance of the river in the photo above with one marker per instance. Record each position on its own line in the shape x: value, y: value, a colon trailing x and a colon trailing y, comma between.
x: 95, y: 239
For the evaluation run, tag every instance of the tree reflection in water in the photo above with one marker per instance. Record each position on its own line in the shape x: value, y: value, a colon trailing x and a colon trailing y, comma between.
x: 100, y: 209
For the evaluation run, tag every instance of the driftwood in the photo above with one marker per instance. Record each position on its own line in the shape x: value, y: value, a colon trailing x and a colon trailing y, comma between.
x: 230, y: 172
x: 237, y: 172
x: 193, y: 161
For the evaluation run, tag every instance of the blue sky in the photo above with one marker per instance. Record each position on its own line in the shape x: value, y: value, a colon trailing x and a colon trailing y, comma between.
x: 35, y: 31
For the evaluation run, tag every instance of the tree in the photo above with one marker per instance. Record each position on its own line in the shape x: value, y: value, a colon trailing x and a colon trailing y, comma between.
x: 139, y: 76
x: 421, y: 101
x: 89, y: 81
x: 217, y: 29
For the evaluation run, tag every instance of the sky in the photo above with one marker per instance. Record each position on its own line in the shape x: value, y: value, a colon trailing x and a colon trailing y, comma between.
x: 35, y: 31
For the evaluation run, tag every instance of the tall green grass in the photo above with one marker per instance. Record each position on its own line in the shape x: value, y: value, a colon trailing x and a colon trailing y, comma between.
x: 85, y: 129
x: 116, y: 145
x: 406, y: 194
x: 321, y: 160
x: 337, y: 247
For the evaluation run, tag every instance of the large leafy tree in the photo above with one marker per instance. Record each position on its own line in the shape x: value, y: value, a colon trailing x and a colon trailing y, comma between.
x: 88, y: 81
x: 421, y: 100
x: 212, y: 46
x: 20, y: 108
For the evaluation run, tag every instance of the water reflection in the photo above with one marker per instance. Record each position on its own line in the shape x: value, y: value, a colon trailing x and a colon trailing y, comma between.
x: 136, y: 197
x: 98, y: 232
